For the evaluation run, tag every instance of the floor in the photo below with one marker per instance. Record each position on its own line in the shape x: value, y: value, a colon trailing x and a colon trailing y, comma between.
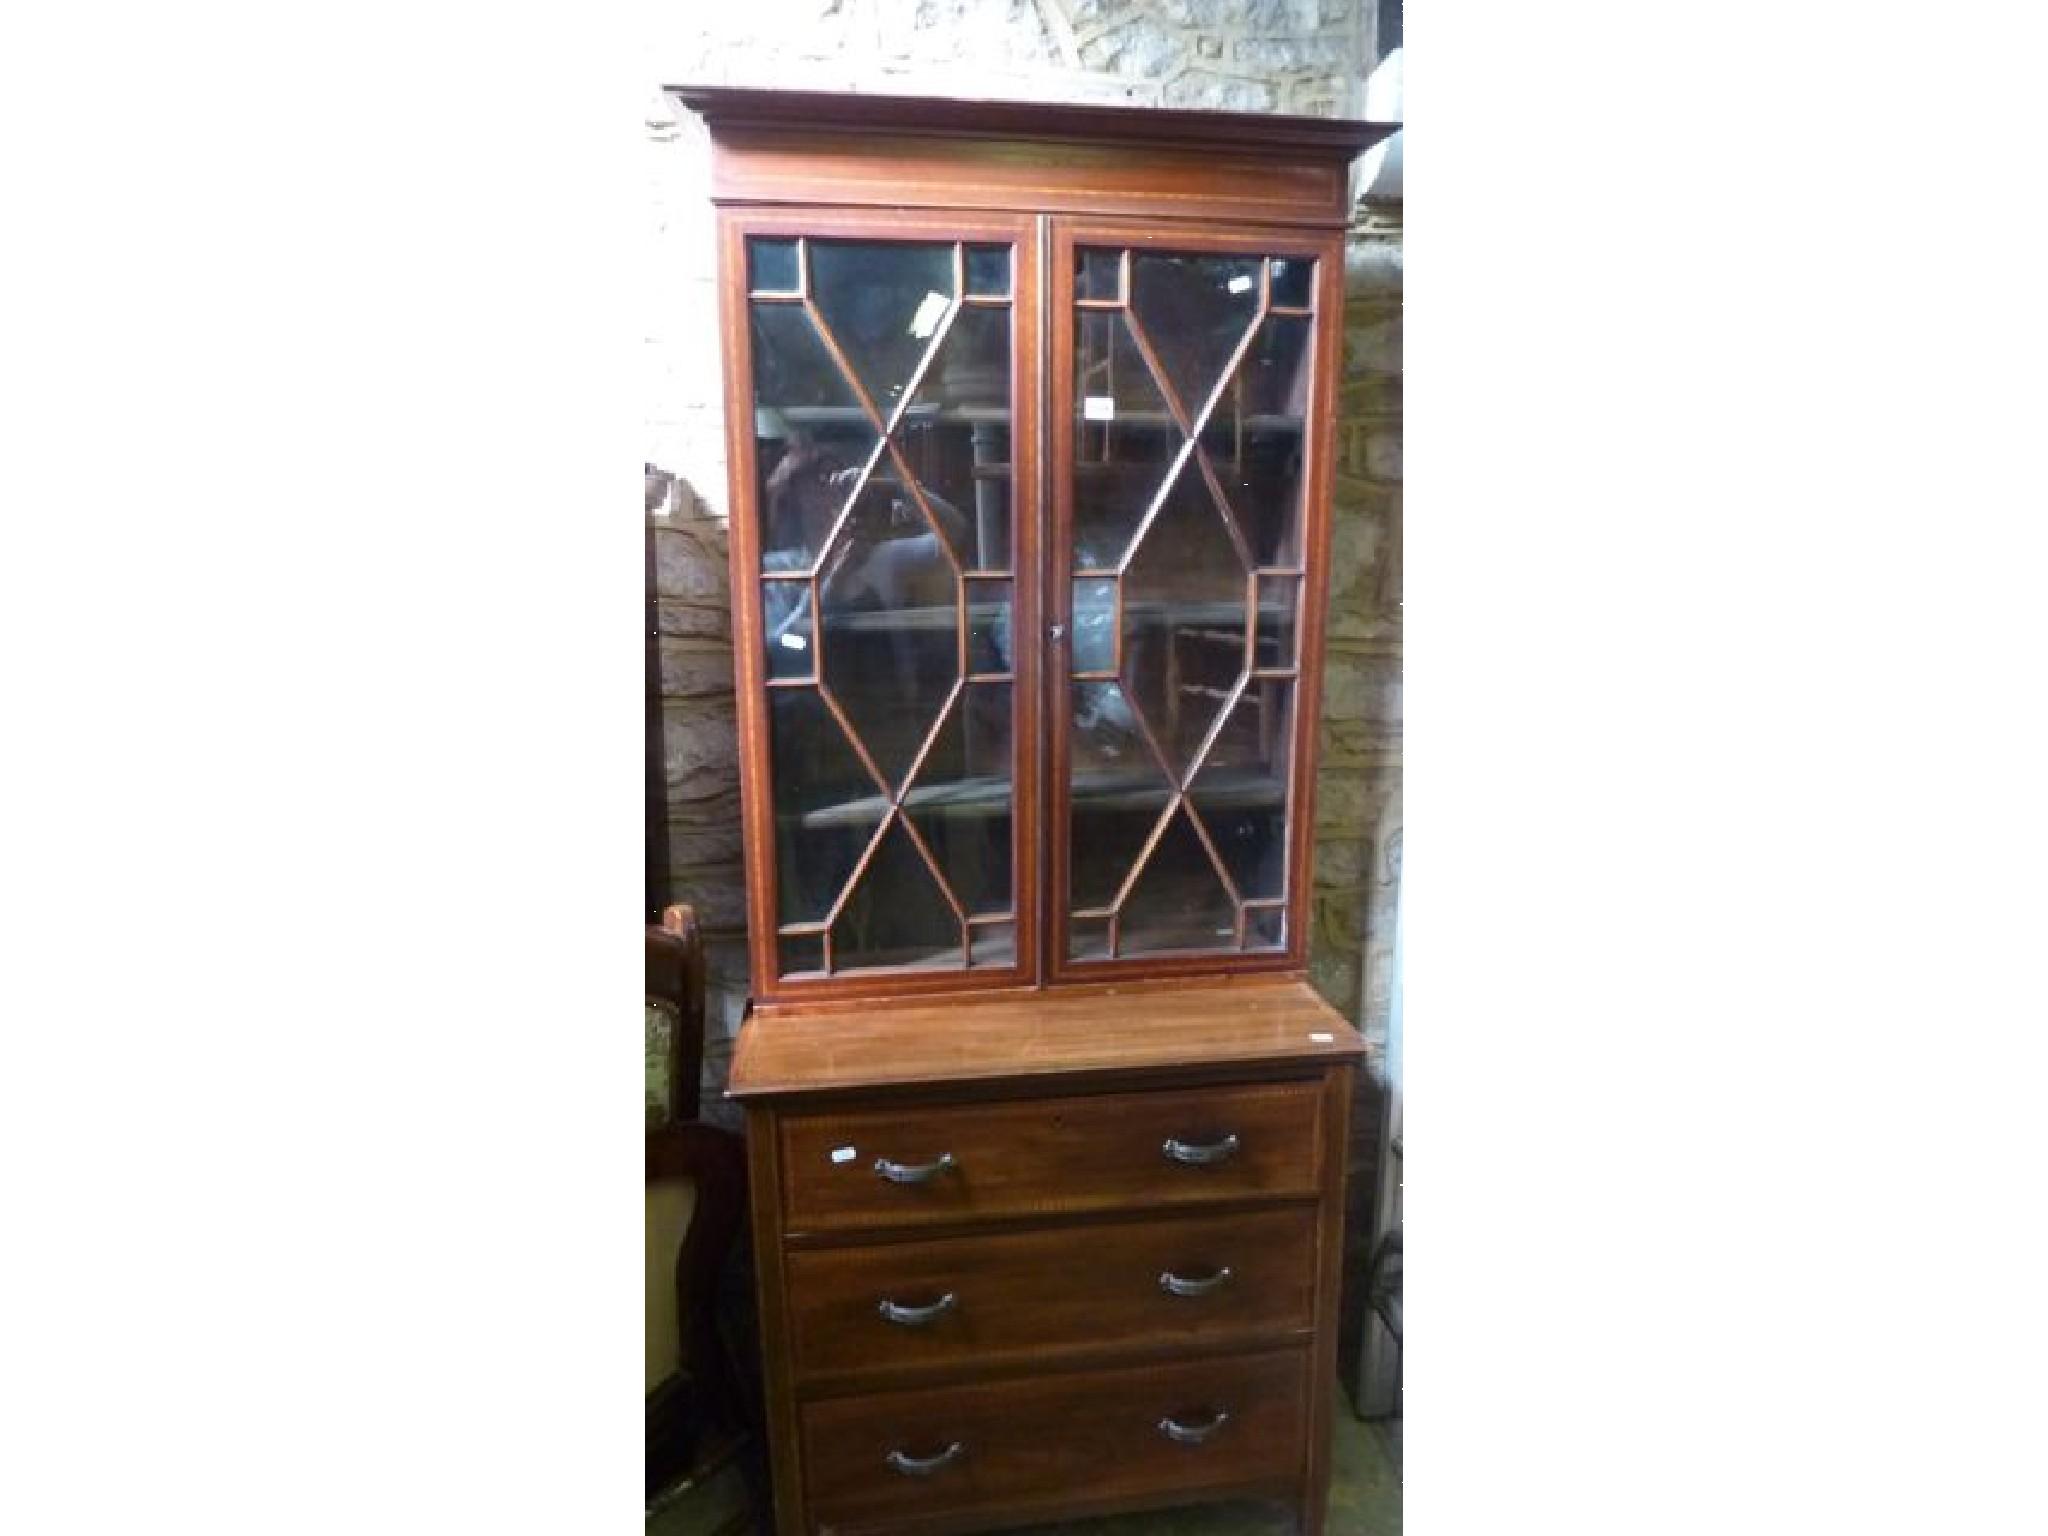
x: 1365, y: 1496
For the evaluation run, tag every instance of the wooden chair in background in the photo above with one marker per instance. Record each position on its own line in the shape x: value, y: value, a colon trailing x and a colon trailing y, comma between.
x: 703, y: 1441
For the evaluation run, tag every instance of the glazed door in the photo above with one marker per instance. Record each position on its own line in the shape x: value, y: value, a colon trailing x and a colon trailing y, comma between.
x: 882, y: 413
x: 1189, y: 376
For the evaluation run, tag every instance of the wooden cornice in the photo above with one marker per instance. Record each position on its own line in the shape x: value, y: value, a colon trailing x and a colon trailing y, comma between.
x: 1293, y: 137
x: 826, y: 148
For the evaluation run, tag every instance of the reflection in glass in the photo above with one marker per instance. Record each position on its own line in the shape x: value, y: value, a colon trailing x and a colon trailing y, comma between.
x: 988, y: 270
x: 1179, y: 903
x: 988, y: 627
x: 798, y: 954
x: 993, y: 945
x: 1124, y: 439
x: 1115, y: 793
x: 1266, y: 928
x: 883, y: 303
x: 1255, y: 439
x: 1184, y: 619
x: 896, y: 914
x: 961, y: 801
x: 1095, y: 274
x: 1278, y: 598
x: 1195, y: 310
x: 1293, y: 281
x: 811, y: 439
x: 771, y: 266
x: 786, y: 628
x: 1088, y: 938
x: 889, y: 647
x: 1241, y: 791
x: 826, y: 806
x: 1094, y: 624
x: 955, y: 435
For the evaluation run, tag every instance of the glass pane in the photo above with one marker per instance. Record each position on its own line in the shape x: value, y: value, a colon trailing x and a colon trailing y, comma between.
x: 1255, y: 439
x: 1185, y: 537
x: 1278, y: 596
x: 955, y: 436
x: 988, y: 270
x: 1266, y: 928
x: 1241, y: 791
x: 1094, y: 624
x: 896, y: 915
x: 826, y: 806
x: 994, y: 945
x: 1088, y: 938
x: 883, y: 304
x: 786, y: 628
x: 1095, y: 274
x: 1194, y: 311
x: 1124, y: 439
x: 890, y: 647
x: 988, y: 627
x: 1179, y: 903
x: 1293, y: 281
x: 1115, y: 793
x: 771, y: 266
x: 961, y: 800
x: 811, y: 439
x: 1184, y: 619
x: 798, y: 954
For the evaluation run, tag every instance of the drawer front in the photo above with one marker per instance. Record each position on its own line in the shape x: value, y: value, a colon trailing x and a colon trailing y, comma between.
x: 1009, y: 1295
x: 919, y: 1164
x: 890, y: 1461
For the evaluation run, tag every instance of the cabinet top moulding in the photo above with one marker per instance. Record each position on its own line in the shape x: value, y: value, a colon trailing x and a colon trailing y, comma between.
x: 854, y: 149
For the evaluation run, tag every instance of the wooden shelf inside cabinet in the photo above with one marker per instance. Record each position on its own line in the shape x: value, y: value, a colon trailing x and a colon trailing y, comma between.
x: 1137, y: 615
x: 1101, y: 792
x: 1030, y: 451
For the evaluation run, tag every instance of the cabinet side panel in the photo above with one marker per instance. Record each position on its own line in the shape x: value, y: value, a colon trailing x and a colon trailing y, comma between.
x: 765, y: 1192
x: 1320, y: 472
x: 1322, y: 1370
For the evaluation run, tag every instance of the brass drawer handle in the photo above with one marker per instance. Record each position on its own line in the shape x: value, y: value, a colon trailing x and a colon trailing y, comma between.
x: 913, y: 1173
x: 925, y: 1466
x: 1200, y: 1154
x: 1192, y: 1434
x: 917, y: 1317
x: 1181, y: 1285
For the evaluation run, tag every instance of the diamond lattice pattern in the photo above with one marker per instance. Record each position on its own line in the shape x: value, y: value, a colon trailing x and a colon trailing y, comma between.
x: 892, y: 768
x: 1176, y: 367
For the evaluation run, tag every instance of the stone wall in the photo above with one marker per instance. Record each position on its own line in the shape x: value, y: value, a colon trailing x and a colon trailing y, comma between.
x: 1278, y: 55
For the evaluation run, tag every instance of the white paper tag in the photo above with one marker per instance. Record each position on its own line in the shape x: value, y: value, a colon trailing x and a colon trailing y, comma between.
x: 844, y: 1154
x: 1239, y: 283
x: 928, y: 315
x: 1322, y: 1037
x: 1098, y: 408
x: 795, y: 643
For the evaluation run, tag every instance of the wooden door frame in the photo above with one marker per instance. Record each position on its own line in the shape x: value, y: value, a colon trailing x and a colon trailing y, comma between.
x: 757, y: 809
x: 1326, y: 248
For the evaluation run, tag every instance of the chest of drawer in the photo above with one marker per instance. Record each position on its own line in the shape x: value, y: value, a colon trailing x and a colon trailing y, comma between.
x: 901, y: 1461
x: 997, y: 1296
x: 926, y: 1164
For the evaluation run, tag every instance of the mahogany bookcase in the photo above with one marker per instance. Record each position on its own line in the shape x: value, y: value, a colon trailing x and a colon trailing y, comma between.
x: 1029, y: 421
